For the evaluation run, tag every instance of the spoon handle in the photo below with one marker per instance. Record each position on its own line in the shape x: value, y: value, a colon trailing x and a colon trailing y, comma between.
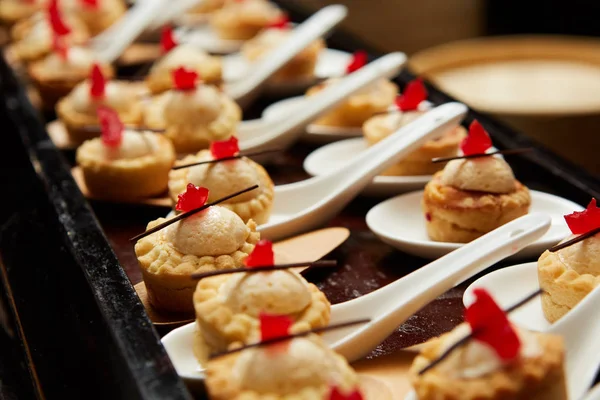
x: 111, y: 43
x: 393, y: 304
x: 173, y: 11
x: 244, y: 90
x: 286, y: 130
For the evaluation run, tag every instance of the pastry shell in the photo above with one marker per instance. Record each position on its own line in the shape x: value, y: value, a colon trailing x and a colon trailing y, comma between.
x: 460, y: 216
x: 230, y: 23
x: 166, y: 271
x: 12, y: 12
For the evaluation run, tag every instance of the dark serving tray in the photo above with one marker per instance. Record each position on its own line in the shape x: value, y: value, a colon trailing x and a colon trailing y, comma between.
x: 72, y: 324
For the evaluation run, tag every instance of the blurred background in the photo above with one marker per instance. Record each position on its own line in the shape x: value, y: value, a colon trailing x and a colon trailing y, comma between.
x: 541, y: 77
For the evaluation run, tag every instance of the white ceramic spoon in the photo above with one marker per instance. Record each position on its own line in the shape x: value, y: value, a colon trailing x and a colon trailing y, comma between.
x: 594, y: 394
x: 304, y: 205
x: 259, y: 135
x: 111, y: 43
x: 400, y: 222
x: 391, y: 304
x: 175, y: 9
x: 245, y: 90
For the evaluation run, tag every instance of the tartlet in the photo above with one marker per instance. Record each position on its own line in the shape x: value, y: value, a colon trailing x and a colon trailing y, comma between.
x: 193, y: 115
x: 242, y: 20
x: 302, y: 66
x: 213, y: 239
x: 225, y: 177
x: 569, y: 274
x: 471, y: 197
x: 56, y: 75
x: 304, y: 369
x: 136, y: 166
x: 160, y: 77
x: 13, y: 11
x: 98, y: 15
x: 207, y: 7
x: 78, y: 110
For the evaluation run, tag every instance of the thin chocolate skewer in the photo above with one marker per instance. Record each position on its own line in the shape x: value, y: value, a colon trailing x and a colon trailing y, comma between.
x: 263, y: 268
x: 465, y: 339
x: 98, y: 128
x: 504, y: 152
x: 576, y: 239
x: 256, y: 153
x: 295, y: 335
x: 188, y: 213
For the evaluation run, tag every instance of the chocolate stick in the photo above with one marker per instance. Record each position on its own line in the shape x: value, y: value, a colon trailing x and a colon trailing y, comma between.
x: 504, y: 152
x: 98, y: 129
x: 263, y: 268
x: 188, y: 213
x: 226, y: 158
x: 576, y: 239
x: 288, y: 337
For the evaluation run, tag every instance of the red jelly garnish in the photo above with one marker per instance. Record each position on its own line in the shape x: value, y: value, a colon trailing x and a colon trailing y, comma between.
x: 224, y: 148
x: 282, y: 22
x: 428, y: 217
x: 490, y: 325
x: 59, y: 27
x: 184, y: 79
x: 584, y: 221
x: 337, y: 394
x: 414, y: 93
x: 167, y: 41
x: 262, y: 254
x: 478, y: 141
x: 111, y: 125
x: 59, y: 47
x: 274, y: 326
x: 98, y: 83
x: 359, y: 60
x: 91, y: 3
x: 193, y: 197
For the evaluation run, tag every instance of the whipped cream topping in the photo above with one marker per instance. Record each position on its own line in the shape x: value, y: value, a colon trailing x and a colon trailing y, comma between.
x: 225, y: 177
x: 486, y: 174
x: 78, y: 59
x: 213, y: 232
x: 475, y: 359
x: 270, y: 37
x: 304, y: 363
x: 133, y: 145
x: 253, y: 9
x: 281, y: 292
x: 117, y: 95
x: 184, y: 55
x: 397, y: 119
x: 196, y: 107
x: 582, y: 257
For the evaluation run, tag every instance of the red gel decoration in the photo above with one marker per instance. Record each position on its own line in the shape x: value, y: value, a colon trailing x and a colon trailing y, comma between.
x: 111, y: 125
x: 261, y: 255
x: 224, y: 148
x: 59, y: 47
x: 359, y: 59
x: 98, y: 83
x: 274, y: 326
x: 167, y: 41
x: 184, y: 79
x: 282, y: 22
x: 94, y: 4
x: 58, y: 25
x: 490, y: 325
x: 193, y: 197
x: 428, y: 217
x: 413, y: 95
x: 584, y: 221
x: 337, y: 394
x: 478, y: 140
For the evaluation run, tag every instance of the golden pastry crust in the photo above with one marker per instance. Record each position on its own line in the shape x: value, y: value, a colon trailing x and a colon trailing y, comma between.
x: 222, y: 385
x: 166, y: 271
x: 418, y: 162
x: 76, y: 122
x: 358, y: 108
x: 130, y: 178
x: 223, y: 328
x: 302, y: 66
x: 160, y: 79
x: 14, y: 11
x: 459, y: 216
x: 532, y: 378
x: 189, y: 138
x: 207, y: 7
x: 563, y: 286
x: 100, y: 18
x: 258, y: 208
x: 239, y: 21
x: 53, y: 88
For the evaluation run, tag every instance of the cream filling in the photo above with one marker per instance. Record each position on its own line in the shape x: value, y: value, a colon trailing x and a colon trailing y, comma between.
x: 78, y: 59
x: 214, y: 232
x: 184, y: 55
x: 133, y: 145
x: 476, y: 359
x: 582, y: 257
x: 225, y: 177
x: 486, y: 174
x: 286, y: 370
x: 275, y: 292
x: 195, y: 107
x: 116, y: 95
